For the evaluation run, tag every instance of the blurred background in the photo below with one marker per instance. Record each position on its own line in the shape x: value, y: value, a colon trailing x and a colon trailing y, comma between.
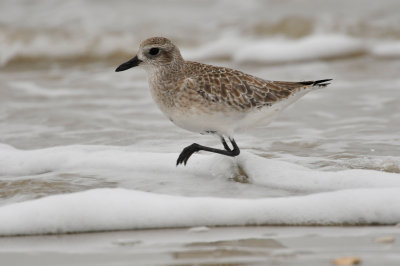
x: 55, y: 30
x: 77, y: 30
x: 58, y: 86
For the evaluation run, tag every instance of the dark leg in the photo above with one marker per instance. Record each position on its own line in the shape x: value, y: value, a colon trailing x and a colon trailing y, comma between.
x: 189, y: 150
x: 225, y: 145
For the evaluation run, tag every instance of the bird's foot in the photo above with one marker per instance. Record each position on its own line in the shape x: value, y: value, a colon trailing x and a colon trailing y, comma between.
x: 186, y: 153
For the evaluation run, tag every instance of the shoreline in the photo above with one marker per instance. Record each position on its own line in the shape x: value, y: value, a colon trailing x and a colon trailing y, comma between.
x: 256, y: 245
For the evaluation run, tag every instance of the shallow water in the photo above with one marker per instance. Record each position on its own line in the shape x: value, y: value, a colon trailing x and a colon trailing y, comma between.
x: 69, y: 123
x: 207, y: 246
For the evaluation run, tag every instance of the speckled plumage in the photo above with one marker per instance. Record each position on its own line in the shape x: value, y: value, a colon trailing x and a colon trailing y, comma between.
x: 204, y: 98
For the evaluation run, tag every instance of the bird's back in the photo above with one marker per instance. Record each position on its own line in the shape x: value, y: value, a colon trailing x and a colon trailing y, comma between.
x: 240, y: 91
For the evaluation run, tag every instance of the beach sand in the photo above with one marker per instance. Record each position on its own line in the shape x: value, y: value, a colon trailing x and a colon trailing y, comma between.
x: 374, y: 245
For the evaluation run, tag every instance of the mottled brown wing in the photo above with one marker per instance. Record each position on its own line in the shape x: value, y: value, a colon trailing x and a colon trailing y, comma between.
x: 241, y: 91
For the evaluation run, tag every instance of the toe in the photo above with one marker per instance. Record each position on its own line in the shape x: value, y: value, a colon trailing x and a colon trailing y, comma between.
x: 186, y: 153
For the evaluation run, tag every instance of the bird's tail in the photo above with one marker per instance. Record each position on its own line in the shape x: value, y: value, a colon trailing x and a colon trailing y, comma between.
x: 317, y: 83
x: 296, y: 86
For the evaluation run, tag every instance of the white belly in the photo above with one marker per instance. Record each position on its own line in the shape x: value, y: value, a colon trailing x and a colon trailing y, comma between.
x: 227, y: 124
x: 203, y: 123
x: 223, y: 123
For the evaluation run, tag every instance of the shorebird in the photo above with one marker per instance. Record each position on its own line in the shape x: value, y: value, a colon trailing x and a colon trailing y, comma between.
x: 209, y: 99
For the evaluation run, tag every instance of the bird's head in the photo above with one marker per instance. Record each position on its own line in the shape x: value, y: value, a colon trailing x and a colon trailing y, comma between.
x: 154, y: 53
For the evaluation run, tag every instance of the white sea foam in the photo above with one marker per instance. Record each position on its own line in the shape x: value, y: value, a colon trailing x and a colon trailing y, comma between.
x: 120, y: 209
x: 159, y: 196
x: 65, y: 47
x: 309, y: 48
x: 224, y: 47
x: 387, y: 50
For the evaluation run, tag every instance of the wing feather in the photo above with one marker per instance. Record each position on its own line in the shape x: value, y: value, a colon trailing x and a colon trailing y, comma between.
x: 243, y: 91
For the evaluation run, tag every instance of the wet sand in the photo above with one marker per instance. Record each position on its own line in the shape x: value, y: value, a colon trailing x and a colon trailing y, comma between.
x: 208, y: 246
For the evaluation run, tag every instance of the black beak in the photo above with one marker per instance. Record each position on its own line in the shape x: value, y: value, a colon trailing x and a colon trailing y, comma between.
x: 127, y: 65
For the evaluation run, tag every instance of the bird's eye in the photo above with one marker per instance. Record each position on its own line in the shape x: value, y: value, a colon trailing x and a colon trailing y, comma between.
x: 154, y: 51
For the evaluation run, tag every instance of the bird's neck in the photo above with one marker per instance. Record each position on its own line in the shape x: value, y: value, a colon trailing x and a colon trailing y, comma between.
x: 166, y: 74
x: 163, y: 82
